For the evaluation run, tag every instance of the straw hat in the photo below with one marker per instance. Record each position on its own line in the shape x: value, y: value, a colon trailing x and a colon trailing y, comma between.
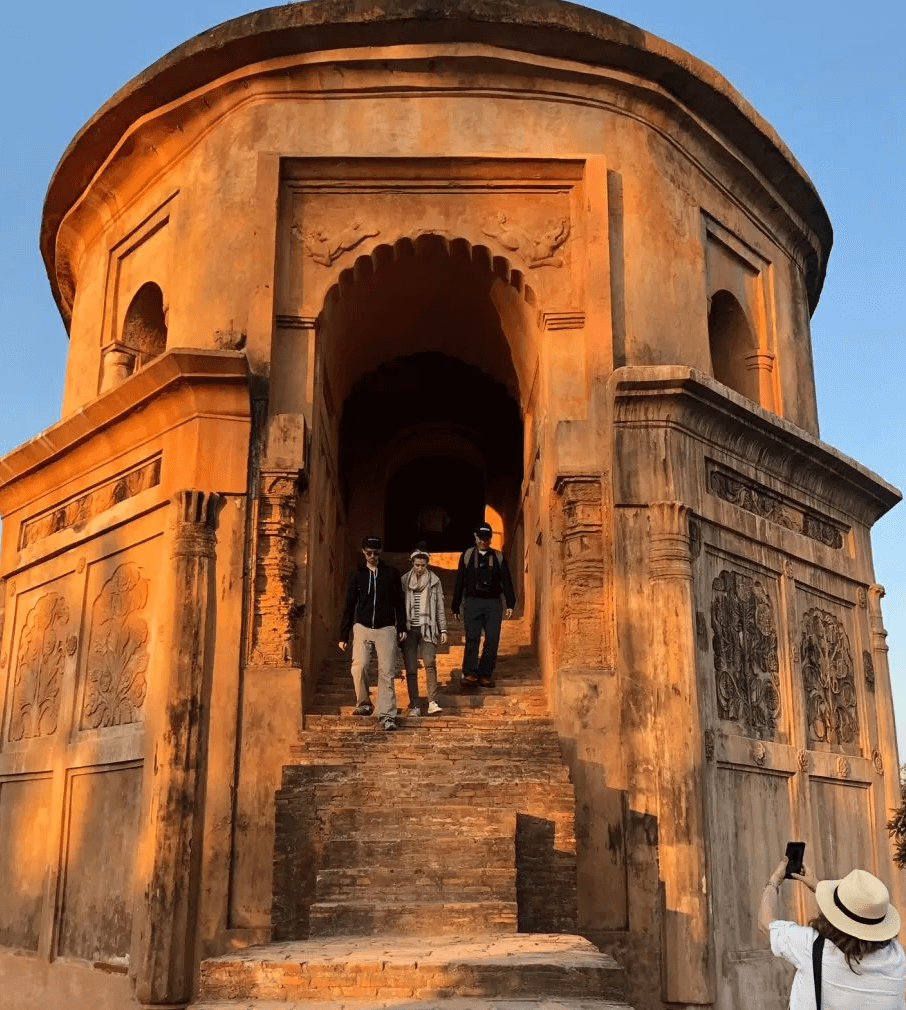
x: 859, y: 905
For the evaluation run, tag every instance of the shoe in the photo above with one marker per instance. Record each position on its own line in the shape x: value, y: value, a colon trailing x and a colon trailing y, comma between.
x: 389, y: 725
x: 434, y: 708
x: 366, y: 708
x: 469, y: 678
x: 414, y: 712
x: 485, y: 682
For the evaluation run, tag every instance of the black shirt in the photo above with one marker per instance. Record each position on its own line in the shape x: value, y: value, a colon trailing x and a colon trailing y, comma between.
x: 374, y: 599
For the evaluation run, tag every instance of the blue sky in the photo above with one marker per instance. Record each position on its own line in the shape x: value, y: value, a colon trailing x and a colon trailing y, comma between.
x: 830, y: 77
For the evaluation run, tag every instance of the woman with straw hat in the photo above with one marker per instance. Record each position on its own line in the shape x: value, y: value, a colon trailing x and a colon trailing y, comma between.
x: 847, y: 957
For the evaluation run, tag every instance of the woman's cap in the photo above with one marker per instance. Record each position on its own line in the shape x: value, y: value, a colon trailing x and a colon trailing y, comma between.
x: 859, y: 905
x: 373, y: 541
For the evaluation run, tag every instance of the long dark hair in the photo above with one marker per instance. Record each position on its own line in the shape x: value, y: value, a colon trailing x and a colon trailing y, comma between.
x: 851, y: 947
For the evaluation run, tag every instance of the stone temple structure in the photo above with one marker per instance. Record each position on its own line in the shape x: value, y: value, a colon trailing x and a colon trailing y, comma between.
x: 344, y: 266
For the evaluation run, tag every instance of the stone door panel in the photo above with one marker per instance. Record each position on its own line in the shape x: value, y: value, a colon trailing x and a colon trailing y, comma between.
x: 25, y: 804
x: 80, y: 640
x: 100, y: 838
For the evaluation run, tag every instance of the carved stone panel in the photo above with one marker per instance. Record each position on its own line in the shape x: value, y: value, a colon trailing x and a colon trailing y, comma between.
x: 78, y: 511
x: 583, y: 570
x: 116, y: 681
x: 746, y: 670
x: 869, y: 665
x: 828, y: 679
x: 39, y: 669
x: 273, y: 632
x: 760, y: 501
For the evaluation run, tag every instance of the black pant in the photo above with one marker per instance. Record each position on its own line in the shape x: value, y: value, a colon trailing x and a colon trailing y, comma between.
x: 478, y: 615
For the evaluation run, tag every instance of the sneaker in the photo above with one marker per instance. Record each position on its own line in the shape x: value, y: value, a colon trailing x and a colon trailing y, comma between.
x: 434, y: 708
x: 389, y: 725
x: 366, y: 708
x: 414, y: 712
x: 469, y: 678
x: 485, y: 682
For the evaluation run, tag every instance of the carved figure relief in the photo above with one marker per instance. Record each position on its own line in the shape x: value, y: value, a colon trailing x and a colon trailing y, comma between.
x: 758, y: 500
x: 843, y: 767
x: 326, y: 251
x: 869, y: 665
x: 760, y: 754
x: 828, y: 680
x: 79, y: 510
x: 39, y: 669
x: 536, y: 252
x: 802, y: 759
x: 709, y: 744
x: 116, y: 682
x: 746, y: 669
x: 583, y: 570
x: 878, y: 761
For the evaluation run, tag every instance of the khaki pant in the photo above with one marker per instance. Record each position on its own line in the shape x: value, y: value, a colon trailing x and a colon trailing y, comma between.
x: 383, y: 641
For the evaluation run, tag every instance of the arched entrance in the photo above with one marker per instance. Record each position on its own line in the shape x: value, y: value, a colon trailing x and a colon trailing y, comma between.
x: 426, y: 353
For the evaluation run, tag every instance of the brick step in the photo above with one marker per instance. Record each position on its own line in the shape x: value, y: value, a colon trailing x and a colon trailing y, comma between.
x: 427, y: 972
x: 410, y: 918
x: 490, y: 850
x: 412, y: 884
x: 406, y: 1003
x: 411, y: 789
x: 428, y: 822
x: 501, y: 732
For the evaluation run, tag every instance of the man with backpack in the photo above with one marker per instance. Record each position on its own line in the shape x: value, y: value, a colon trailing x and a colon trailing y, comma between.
x: 482, y: 577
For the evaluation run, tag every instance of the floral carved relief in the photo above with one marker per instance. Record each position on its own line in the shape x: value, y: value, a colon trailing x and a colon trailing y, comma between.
x: 828, y: 679
x: 39, y: 669
x: 746, y: 669
x: 116, y: 681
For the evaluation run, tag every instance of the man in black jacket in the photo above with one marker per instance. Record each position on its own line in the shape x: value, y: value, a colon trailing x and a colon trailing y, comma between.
x: 375, y: 614
x: 482, y: 578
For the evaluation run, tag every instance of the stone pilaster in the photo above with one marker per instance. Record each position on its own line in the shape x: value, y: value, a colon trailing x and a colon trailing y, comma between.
x: 582, y: 558
x: 165, y: 955
x: 273, y: 630
x: 681, y: 822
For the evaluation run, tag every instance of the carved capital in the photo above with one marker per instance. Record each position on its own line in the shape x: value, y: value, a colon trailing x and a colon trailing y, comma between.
x: 195, y: 521
x: 876, y: 620
x: 670, y: 554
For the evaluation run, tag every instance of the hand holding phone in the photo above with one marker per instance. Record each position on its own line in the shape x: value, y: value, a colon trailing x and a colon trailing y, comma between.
x: 795, y: 854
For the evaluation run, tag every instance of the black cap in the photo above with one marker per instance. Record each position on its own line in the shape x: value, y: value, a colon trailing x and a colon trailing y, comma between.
x: 483, y: 530
x: 373, y: 541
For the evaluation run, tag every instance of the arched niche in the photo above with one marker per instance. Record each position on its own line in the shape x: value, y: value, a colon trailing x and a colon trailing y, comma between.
x: 145, y: 323
x: 733, y: 345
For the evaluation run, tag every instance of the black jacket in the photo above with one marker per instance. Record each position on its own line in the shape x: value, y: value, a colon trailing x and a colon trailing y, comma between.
x: 467, y: 578
x: 374, y: 599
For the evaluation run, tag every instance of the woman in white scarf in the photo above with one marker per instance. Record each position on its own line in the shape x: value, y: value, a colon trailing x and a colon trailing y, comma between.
x: 427, y: 624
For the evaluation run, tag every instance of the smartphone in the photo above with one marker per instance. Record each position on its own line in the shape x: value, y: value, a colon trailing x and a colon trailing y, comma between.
x: 795, y: 853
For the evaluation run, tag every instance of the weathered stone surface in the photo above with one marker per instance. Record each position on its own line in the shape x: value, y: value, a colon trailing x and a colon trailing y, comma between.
x: 401, y: 267
x: 446, y: 967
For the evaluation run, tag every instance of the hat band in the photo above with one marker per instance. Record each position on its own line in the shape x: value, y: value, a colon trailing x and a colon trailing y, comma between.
x: 852, y: 915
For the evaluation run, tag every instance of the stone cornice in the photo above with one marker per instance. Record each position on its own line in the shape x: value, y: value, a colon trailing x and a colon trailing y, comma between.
x: 548, y: 28
x: 688, y: 400
x: 178, y: 368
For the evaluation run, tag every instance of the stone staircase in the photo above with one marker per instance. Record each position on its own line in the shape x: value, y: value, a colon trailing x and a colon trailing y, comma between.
x: 437, y: 862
